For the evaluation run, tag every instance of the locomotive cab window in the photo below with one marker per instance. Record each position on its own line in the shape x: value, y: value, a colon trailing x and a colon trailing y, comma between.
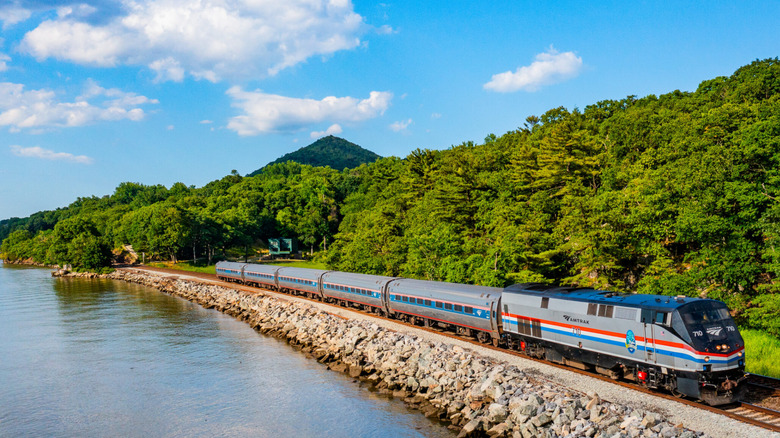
x: 661, y: 318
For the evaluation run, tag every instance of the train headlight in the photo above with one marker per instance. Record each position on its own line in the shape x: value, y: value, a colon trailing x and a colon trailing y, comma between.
x: 739, y: 354
x: 724, y: 347
x: 706, y: 358
x: 717, y: 347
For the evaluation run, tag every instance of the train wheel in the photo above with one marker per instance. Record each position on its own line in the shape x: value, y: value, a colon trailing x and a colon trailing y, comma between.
x: 483, y: 337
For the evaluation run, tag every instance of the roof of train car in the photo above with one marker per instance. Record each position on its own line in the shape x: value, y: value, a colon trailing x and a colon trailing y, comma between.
x: 602, y: 296
x: 456, y: 289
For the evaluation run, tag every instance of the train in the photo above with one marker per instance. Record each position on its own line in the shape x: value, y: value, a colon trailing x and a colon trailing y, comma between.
x: 688, y: 346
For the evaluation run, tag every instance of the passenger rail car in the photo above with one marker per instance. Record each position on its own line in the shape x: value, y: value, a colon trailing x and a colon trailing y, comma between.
x: 688, y: 346
x: 300, y: 281
x: 467, y: 308
x: 363, y: 290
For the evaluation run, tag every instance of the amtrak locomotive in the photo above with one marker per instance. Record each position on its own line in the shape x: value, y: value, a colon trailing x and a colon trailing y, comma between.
x: 689, y: 346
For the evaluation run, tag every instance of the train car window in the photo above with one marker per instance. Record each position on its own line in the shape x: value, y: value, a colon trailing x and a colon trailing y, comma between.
x: 427, y: 302
x: 404, y: 299
x: 438, y: 304
x: 448, y: 306
x: 506, y: 308
x: 592, y: 308
x: 468, y: 310
x: 545, y: 302
x: 458, y: 308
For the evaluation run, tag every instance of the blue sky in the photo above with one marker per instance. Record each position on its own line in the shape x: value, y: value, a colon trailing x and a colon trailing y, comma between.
x: 96, y: 92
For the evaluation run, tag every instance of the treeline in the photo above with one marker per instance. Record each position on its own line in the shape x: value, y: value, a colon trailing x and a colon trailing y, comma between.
x: 232, y: 213
x: 672, y: 194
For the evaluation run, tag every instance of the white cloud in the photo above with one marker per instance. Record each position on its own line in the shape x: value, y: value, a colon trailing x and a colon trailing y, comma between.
x: 12, y: 14
x: 400, y: 125
x: 334, y: 129
x: 21, y: 109
x: 549, y: 68
x: 167, y: 69
x: 271, y: 113
x: 206, y: 122
x: 435, y: 116
x: 46, y: 154
x: 208, y: 39
x: 4, y: 61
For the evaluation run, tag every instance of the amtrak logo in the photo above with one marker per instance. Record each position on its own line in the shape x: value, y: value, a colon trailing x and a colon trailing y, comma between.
x: 714, y: 331
x: 572, y: 319
x: 630, y: 342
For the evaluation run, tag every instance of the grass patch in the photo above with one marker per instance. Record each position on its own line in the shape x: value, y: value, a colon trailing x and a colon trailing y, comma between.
x: 762, y: 352
x: 184, y: 266
x: 297, y: 264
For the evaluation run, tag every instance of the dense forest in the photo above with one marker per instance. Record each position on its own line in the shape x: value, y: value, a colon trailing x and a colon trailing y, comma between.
x: 672, y: 194
x: 329, y: 151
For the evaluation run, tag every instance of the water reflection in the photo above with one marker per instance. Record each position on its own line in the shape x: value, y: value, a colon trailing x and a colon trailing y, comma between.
x: 103, y: 358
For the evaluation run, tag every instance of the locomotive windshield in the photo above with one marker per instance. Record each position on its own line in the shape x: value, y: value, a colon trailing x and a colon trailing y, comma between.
x: 709, y: 326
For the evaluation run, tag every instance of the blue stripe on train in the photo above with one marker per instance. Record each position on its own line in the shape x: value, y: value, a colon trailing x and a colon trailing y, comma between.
x: 685, y: 356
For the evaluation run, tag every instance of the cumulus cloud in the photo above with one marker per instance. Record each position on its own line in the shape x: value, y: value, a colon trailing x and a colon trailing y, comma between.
x: 23, y: 109
x: 334, y: 129
x: 400, y: 125
x: 46, y: 154
x: 208, y: 39
x: 549, y: 68
x: 270, y: 113
x: 11, y: 14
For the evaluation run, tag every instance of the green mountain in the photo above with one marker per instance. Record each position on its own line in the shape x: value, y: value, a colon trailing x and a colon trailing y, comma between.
x: 328, y: 151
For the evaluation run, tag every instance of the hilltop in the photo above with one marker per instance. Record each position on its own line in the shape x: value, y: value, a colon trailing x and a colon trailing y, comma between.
x: 331, y: 151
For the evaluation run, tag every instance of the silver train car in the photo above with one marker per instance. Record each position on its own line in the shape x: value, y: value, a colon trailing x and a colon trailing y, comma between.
x: 260, y: 275
x: 231, y: 271
x: 367, y: 291
x: 300, y: 281
x: 689, y: 346
x: 469, y: 309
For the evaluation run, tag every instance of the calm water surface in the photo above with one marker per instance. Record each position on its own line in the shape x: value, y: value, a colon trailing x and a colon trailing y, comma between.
x: 104, y: 358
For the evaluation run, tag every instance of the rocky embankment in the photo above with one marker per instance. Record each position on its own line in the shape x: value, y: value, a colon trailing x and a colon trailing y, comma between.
x: 477, y: 396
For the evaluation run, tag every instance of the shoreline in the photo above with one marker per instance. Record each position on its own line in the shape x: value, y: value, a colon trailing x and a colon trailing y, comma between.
x: 476, y: 393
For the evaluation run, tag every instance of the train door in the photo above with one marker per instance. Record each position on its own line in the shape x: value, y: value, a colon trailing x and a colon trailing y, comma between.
x: 495, y: 321
x: 648, y: 316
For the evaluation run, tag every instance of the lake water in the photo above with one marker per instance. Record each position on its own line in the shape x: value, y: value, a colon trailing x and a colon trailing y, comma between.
x: 103, y: 358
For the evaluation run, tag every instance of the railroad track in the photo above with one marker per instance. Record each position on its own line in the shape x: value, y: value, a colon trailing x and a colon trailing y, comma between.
x: 756, y: 415
x: 765, y: 385
x: 742, y: 411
